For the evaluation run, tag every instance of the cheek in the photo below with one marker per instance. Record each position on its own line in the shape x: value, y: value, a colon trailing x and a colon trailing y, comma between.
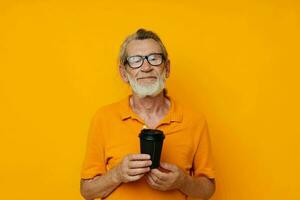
x: 163, y: 73
x: 134, y: 74
x: 157, y: 71
x: 131, y: 73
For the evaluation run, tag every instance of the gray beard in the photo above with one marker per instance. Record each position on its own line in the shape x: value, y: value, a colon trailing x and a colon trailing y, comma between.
x: 148, y: 90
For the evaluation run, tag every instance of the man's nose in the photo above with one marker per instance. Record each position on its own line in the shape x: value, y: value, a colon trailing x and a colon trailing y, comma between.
x: 146, y: 66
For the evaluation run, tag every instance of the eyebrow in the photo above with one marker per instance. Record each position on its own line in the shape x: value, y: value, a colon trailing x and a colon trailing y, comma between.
x: 147, y: 54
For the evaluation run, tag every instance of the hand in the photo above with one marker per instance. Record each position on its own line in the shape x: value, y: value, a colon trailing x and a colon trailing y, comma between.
x: 133, y: 167
x: 163, y: 181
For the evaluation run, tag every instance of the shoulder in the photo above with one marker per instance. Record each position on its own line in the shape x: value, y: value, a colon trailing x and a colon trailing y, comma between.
x: 194, y: 121
x: 108, y: 111
x: 190, y: 112
x: 191, y: 115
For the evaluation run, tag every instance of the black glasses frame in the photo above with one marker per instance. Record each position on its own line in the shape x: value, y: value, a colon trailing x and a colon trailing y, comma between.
x: 143, y: 58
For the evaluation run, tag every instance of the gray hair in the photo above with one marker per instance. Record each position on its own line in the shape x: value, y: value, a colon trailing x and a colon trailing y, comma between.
x: 141, y: 34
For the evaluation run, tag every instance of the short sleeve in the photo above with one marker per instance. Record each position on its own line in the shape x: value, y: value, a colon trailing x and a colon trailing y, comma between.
x: 203, y: 160
x: 94, y: 161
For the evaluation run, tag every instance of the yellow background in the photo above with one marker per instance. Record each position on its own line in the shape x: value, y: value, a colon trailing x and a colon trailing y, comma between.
x: 238, y: 61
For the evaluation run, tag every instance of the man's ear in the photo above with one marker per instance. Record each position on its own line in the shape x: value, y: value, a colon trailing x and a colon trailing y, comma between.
x: 168, y: 66
x: 123, y: 73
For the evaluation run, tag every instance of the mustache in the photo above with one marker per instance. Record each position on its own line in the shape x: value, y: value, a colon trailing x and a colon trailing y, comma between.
x: 146, y: 77
x: 152, y: 74
x: 141, y: 76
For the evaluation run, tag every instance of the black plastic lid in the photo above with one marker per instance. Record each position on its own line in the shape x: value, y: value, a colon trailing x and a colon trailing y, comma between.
x: 152, y: 134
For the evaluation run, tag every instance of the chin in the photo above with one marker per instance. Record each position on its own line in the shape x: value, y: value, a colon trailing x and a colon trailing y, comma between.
x: 143, y: 94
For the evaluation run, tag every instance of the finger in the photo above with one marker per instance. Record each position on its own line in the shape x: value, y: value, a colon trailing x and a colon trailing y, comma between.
x: 151, y: 182
x: 139, y: 164
x: 156, y: 179
x: 168, y: 166
x: 160, y: 175
x: 136, y: 177
x: 137, y: 171
x: 147, y: 180
x: 139, y: 157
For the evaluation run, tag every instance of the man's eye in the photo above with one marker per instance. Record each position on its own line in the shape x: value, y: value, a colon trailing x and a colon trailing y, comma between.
x: 152, y: 58
x: 134, y: 59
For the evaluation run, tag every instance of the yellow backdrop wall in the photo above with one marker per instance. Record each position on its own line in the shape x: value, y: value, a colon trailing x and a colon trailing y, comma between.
x: 238, y: 61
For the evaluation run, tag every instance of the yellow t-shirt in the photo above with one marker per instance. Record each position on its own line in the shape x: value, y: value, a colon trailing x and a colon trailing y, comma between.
x: 114, y: 133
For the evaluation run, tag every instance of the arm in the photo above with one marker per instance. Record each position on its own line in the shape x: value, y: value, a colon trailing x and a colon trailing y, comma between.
x: 132, y: 168
x: 175, y: 178
x: 201, y: 187
x: 100, y: 186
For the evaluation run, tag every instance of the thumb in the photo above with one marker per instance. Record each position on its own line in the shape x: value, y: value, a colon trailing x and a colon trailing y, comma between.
x: 168, y: 166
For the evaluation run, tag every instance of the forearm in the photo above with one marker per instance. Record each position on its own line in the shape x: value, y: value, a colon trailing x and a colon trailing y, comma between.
x: 100, y: 186
x: 200, y: 187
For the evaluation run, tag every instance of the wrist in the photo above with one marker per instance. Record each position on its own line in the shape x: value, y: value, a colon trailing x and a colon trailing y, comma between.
x: 184, y: 182
x: 116, y: 177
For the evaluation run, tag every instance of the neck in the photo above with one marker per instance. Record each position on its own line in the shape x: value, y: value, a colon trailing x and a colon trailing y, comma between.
x: 148, y: 105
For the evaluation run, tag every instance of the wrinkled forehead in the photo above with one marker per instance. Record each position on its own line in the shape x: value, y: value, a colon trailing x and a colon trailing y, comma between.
x: 143, y: 47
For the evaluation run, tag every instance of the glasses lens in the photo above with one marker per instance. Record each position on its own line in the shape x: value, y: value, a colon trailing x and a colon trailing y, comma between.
x: 135, y: 61
x: 155, y: 59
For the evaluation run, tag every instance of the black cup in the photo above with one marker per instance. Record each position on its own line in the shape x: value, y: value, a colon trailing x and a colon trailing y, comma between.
x: 151, y: 142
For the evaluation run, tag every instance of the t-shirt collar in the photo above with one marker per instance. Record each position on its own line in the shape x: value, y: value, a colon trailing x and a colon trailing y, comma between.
x: 174, y: 114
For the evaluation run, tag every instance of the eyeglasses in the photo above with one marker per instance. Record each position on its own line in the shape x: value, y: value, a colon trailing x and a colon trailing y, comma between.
x: 137, y: 61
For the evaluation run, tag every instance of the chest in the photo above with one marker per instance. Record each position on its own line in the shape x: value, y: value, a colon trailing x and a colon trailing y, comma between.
x: 152, y: 121
x: 178, y: 147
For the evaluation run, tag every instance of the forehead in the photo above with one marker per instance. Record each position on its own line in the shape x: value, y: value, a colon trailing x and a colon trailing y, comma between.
x: 143, y: 47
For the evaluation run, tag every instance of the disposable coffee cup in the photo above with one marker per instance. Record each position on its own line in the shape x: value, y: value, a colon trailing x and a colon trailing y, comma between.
x: 151, y: 142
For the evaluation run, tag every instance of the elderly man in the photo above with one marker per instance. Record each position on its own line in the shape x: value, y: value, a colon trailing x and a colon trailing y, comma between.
x: 113, y: 167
